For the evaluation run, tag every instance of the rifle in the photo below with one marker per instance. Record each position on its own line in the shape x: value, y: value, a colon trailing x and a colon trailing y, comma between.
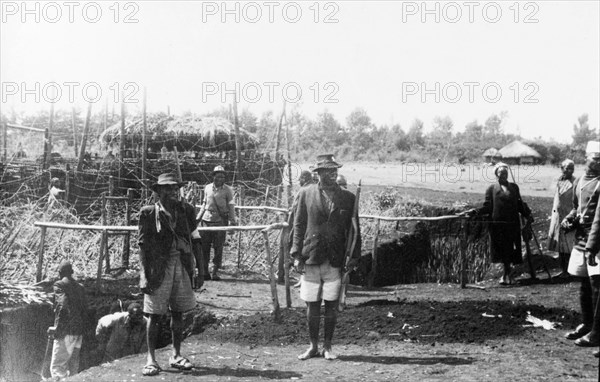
x: 351, y: 240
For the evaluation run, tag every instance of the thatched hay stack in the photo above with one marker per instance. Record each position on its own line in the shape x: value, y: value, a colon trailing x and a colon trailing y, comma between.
x: 186, y: 133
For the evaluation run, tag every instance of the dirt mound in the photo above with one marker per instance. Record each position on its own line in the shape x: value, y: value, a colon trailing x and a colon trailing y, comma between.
x: 425, y: 322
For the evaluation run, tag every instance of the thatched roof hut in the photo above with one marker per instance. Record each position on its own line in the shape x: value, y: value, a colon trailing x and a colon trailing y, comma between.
x: 186, y: 133
x: 518, y: 153
x: 491, y: 155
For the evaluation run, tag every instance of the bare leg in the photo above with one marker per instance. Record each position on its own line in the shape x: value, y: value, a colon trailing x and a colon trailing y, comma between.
x: 313, y: 316
x: 330, y: 321
x: 151, y: 338
x: 176, y: 332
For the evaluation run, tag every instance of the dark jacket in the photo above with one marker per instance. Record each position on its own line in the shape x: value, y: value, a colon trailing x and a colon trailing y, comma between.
x: 585, y: 204
x: 320, y: 235
x: 70, y: 308
x: 505, y: 226
x: 155, y: 246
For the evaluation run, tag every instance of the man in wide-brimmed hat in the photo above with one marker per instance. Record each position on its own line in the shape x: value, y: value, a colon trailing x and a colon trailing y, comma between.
x: 218, y: 209
x: 167, y: 266
x: 322, y: 222
x: 583, y: 262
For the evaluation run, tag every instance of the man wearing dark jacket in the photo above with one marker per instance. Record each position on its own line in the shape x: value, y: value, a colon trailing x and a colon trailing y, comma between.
x: 167, y: 267
x: 70, y: 312
x: 322, y: 226
x: 586, y: 194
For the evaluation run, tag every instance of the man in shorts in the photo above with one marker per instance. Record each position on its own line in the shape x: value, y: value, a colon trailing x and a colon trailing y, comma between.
x: 167, y: 267
x: 586, y: 193
x: 322, y: 224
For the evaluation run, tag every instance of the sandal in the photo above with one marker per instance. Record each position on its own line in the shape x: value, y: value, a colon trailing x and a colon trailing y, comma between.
x: 151, y: 369
x: 181, y: 364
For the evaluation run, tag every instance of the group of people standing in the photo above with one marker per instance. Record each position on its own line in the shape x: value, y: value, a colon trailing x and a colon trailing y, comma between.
x: 321, y: 224
x: 323, y: 220
x: 574, y: 233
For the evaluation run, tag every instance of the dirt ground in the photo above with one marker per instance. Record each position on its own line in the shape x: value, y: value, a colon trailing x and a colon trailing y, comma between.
x: 424, y: 332
x: 418, y: 332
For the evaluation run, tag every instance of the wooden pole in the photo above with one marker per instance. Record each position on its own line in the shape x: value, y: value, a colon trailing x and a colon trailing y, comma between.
x: 86, y: 129
x: 47, y: 139
x: 103, y: 245
x: 105, y: 119
x: 67, y: 185
x: 279, y: 133
x: 286, y: 260
x: 289, y: 166
x: 373, y: 272
x: 74, y: 123
x: 463, y: 253
x: 127, y: 237
x: 239, y: 238
x: 4, y: 139
x: 144, y: 138
x: 106, y: 205
x: 38, y: 274
x: 122, y: 141
x: 238, y: 147
x: 273, y: 281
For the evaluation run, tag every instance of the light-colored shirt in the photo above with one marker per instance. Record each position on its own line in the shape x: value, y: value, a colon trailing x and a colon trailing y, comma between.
x: 217, y: 201
x: 120, y: 337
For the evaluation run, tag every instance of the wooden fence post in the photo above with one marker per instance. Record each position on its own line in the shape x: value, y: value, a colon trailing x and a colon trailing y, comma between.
x: 127, y: 237
x: 38, y: 275
x: 285, y: 234
x: 463, y: 253
x: 273, y: 281
x: 239, y: 238
x: 373, y: 272
x: 67, y: 185
x: 104, y: 249
x: 103, y: 245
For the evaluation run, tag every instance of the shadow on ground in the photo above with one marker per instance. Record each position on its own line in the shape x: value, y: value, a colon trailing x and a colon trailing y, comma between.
x: 390, y: 360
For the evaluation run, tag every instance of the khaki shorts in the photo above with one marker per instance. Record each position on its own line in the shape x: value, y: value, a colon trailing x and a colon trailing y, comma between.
x: 320, y: 282
x: 578, y: 265
x: 175, y: 293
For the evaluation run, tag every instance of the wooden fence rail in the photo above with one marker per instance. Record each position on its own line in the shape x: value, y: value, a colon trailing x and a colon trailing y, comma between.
x: 265, y: 229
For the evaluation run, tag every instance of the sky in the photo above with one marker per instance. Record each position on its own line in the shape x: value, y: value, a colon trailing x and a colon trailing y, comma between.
x: 399, y: 60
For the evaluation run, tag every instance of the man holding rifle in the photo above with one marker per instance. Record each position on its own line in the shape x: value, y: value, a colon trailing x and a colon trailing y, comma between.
x: 323, y: 227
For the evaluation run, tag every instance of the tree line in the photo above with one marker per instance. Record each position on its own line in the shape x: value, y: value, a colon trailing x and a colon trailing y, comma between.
x: 355, y: 139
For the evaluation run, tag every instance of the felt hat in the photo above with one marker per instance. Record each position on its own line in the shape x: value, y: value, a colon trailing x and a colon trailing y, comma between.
x: 325, y: 161
x: 218, y: 169
x: 593, y: 149
x: 166, y: 180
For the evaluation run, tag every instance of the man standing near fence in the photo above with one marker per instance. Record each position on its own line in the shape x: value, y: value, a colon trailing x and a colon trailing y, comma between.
x: 322, y: 224
x: 70, y: 312
x: 218, y: 209
x: 166, y: 267
x: 584, y: 264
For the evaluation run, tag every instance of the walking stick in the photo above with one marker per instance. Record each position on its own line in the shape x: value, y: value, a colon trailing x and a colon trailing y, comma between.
x: 48, y: 355
x: 350, y: 245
